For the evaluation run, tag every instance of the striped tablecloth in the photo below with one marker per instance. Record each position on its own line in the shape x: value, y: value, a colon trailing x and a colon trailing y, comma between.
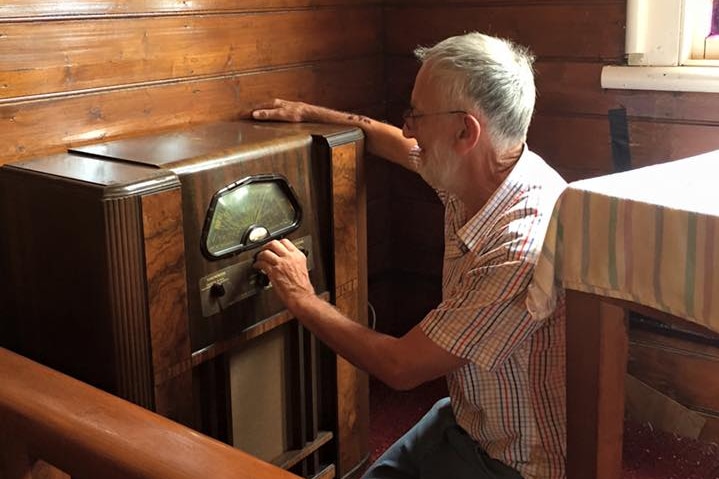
x: 650, y: 236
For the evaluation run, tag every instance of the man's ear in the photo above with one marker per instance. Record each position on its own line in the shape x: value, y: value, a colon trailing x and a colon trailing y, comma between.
x: 468, y: 136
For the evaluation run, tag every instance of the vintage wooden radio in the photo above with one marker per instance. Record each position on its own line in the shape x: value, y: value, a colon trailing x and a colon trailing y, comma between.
x: 128, y: 264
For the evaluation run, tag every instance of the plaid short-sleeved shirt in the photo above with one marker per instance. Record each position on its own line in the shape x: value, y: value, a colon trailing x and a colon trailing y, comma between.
x: 510, y: 396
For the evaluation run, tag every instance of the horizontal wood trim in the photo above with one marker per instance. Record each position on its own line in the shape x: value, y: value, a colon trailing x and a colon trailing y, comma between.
x: 326, y: 473
x: 29, y: 10
x: 35, y: 128
x: 583, y: 36
x: 89, y: 433
x: 293, y: 457
x: 81, y: 55
x: 221, y: 347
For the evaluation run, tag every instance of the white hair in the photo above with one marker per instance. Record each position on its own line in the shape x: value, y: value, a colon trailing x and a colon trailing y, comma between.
x: 488, y: 75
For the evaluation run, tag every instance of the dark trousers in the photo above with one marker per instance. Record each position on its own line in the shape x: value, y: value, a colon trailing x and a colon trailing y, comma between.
x: 437, y: 448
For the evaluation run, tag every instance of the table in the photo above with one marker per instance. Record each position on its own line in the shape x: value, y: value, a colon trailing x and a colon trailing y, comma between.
x: 647, y: 237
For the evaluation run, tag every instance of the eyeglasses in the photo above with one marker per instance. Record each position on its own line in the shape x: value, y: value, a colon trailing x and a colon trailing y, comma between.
x: 410, y: 116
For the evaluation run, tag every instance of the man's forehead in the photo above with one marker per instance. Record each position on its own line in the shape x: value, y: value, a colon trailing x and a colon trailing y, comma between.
x: 423, y: 86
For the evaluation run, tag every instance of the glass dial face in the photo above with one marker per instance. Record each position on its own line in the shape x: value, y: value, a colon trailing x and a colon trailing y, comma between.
x: 249, y: 213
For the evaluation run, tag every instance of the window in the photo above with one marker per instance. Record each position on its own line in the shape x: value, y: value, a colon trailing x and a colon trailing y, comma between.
x: 702, y: 38
x: 670, y: 45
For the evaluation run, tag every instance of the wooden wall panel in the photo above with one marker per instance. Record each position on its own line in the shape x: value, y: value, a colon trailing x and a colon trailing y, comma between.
x: 78, y: 72
x: 658, y: 142
x: 31, y: 128
x: 585, y: 141
x: 550, y: 29
x: 34, y: 9
x: 86, y: 54
x: 666, y: 126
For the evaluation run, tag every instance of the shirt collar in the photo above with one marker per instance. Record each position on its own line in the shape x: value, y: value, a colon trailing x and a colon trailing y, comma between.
x: 472, y: 231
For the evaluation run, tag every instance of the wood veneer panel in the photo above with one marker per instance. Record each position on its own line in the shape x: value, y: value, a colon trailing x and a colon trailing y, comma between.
x: 33, y: 128
x: 586, y: 31
x: 351, y: 298
x: 167, y: 294
x: 345, y: 188
x: 80, y: 55
x: 164, y: 254
x: 20, y: 10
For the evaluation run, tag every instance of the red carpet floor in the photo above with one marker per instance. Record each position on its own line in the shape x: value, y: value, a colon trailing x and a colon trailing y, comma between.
x: 648, y: 454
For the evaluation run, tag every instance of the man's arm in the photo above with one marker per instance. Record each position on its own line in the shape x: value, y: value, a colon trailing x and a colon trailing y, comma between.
x: 401, y: 363
x: 383, y: 140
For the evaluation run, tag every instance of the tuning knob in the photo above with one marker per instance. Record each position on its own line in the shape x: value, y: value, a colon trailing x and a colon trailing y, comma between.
x: 262, y: 280
x: 217, y: 290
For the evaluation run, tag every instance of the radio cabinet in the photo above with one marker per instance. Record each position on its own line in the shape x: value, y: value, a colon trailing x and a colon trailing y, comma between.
x: 127, y: 264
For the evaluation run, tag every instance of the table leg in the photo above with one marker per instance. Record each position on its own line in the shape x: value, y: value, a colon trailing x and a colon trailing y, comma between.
x: 597, y: 347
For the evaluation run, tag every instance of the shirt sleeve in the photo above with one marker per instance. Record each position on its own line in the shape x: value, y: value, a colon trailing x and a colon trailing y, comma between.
x: 486, y: 319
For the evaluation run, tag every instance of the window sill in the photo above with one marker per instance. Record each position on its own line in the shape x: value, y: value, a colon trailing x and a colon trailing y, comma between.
x: 685, y: 78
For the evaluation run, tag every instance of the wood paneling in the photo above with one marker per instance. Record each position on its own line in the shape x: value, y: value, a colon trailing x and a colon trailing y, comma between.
x: 556, y: 29
x: 89, y: 54
x: 79, y: 72
x: 657, y: 142
x: 585, y: 141
x: 37, y: 127
x: 19, y: 10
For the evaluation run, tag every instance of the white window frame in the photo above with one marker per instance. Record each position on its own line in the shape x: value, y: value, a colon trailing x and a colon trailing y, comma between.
x: 658, y: 47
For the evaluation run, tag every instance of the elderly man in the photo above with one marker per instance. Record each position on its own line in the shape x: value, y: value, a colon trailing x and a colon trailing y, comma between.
x: 465, y: 134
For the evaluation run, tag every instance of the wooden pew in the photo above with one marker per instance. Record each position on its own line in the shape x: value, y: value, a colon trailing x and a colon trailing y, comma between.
x: 47, y: 418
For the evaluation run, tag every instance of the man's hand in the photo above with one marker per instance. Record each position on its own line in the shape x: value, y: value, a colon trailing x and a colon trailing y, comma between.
x: 282, y: 110
x: 286, y: 267
x: 382, y: 139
